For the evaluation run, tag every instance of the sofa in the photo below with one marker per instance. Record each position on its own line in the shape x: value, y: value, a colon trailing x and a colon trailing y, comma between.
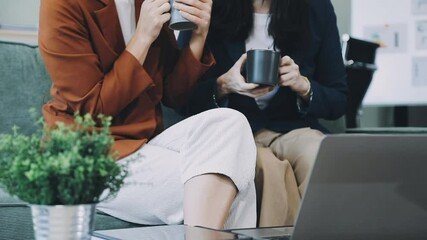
x: 24, y: 85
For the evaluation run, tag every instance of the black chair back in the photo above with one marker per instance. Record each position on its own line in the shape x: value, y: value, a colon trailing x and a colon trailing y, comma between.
x: 359, y: 57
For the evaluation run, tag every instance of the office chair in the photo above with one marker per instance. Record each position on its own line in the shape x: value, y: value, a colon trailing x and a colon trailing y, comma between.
x: 359, y: 59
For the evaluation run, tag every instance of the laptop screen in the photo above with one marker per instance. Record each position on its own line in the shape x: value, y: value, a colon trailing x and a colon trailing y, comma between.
x: 366, y: 187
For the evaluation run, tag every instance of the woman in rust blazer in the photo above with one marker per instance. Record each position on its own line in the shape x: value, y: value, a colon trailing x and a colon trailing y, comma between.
x: 98, y: 66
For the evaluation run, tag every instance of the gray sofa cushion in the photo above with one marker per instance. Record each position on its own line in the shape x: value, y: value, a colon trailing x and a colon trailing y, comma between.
x: 24, y: 84
x: 15, y: 218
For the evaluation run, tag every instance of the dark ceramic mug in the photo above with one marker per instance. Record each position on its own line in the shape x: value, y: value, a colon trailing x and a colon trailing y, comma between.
x: 178, y: 22
x: 262, y: 66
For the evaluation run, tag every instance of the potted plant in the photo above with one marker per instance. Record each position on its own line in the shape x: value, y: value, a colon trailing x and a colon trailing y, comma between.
x: 62, y: 172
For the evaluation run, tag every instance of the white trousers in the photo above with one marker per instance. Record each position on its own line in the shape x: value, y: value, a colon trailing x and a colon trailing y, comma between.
x: 216, y: 141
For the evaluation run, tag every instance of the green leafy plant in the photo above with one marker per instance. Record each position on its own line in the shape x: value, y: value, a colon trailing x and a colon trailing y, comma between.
x: 61, y: 165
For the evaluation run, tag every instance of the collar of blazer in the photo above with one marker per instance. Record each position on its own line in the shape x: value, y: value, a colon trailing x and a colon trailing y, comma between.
x: 104, y: 1
x: 108, y: 22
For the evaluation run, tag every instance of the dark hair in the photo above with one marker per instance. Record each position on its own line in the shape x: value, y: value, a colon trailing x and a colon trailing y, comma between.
x: 289, y: 23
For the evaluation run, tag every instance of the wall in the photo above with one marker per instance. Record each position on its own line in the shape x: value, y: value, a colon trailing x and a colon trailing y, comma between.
x: 371, y: 116
x: 25, y: 12
x: 19, y: 12
x: 343, y: 12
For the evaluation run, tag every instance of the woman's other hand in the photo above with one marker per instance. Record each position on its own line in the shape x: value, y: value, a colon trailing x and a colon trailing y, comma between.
x: 233, y: 82
x: 290, y: 76
x: 154, y: 14
x: 198, y: 12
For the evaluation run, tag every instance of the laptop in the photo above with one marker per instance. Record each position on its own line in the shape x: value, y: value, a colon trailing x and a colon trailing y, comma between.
x: 362, y: 187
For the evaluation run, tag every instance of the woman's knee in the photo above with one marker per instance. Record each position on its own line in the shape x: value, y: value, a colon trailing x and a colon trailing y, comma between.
x: 228, y: 119
x: 229, y: 114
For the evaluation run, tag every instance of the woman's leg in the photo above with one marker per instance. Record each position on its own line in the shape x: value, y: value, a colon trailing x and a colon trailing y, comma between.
x: 207, y: 200
x: 284, y: 162
x: 153, y: 191
x: 278, y: 198
x: 219, y: 155
x: 300, y: 148
x: 205, y: 160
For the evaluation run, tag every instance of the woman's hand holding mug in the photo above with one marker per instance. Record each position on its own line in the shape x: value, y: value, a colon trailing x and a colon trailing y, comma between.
x: 154, y: 14
x: 233, y: 82
x: 290, y: 76
x: 198, y: 12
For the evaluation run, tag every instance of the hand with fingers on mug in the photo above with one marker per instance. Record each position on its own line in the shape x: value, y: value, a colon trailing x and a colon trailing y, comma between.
x: 290, y: 76
x: 154, y: 13
x: 196, y: 11
x: 233, y: 82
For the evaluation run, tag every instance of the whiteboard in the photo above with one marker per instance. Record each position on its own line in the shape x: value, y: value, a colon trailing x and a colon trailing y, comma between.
x: 400, y: 27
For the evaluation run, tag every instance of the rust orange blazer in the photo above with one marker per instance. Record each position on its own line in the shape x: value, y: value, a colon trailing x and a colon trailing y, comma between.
x: 83, y: 48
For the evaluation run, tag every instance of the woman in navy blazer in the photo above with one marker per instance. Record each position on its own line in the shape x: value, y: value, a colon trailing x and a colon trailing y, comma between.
x: 284, y: 119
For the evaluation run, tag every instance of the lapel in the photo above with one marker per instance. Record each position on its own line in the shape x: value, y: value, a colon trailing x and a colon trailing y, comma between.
x: 109, y: 24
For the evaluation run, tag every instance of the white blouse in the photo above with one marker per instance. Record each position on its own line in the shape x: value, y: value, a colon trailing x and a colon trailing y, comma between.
x: 260, y: 39
x: 126, y: 12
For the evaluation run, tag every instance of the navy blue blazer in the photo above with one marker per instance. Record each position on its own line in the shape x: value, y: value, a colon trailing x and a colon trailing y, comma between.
x: 321, y: 63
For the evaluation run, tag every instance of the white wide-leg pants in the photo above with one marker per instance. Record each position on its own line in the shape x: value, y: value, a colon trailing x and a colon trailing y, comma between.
x: 216, y: 141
